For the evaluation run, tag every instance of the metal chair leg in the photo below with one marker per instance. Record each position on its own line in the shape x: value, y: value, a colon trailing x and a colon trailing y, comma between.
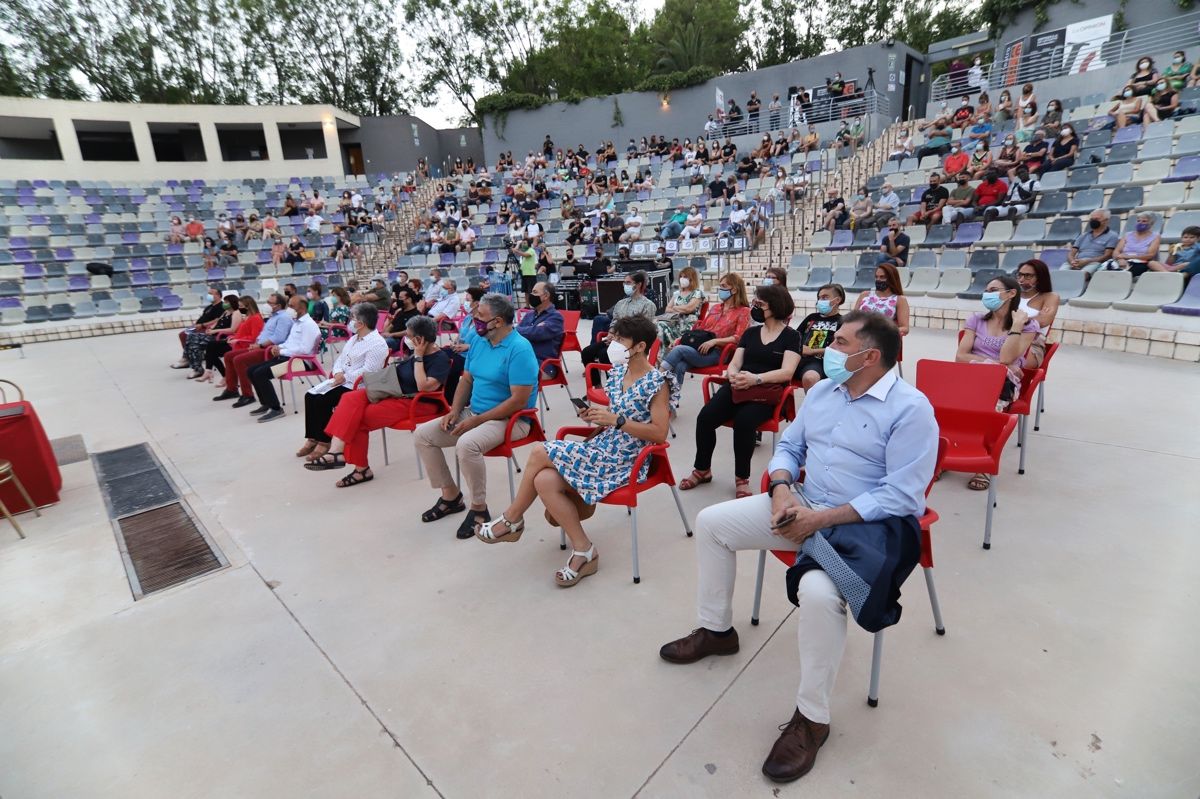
x: 758, y: 584
x: 1022, y: 440
x: 933, y: 603
x: 512, y: 485
x: 386, y: 462
x: 991, y: 500
x: 12, y: 521
x: 562, y: 538
x: 876, y: 662
x: 1041, y: 406
x: 292, y: 387
x: 687, y: 528
x: 637, y: 577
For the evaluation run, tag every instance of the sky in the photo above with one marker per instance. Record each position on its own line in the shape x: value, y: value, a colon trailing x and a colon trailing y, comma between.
x: 446, y: 111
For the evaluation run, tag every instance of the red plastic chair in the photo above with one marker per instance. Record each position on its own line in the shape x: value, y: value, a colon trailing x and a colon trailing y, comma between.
x: 595, y: 394
x: 717, y: 369
x: 976, y: 442
x: 559, y: 379
x: 1041, y: 397
x: 425, y: 407
x: 788, y: 557
x: 338, y: 334
x: 627, y: 495
x: 785, y: 409
x: 703, y: 311
x: 570, y: 341
x: 301, y: 367
x: 507, y: 449
x: 969, y: 386
x: 1032, y: 381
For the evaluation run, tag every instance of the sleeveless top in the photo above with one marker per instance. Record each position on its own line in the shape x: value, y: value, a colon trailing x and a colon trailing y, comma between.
x: 881, y: 305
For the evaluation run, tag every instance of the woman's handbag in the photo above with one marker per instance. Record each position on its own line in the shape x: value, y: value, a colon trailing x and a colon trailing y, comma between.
x: 694, y: 338
x: 763, y: 393
x: 381, y: 385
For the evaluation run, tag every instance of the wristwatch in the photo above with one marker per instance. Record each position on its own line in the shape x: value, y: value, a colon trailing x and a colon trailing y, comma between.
x: 419, y: 358
x: 775, y: 484
x: 620, y: 422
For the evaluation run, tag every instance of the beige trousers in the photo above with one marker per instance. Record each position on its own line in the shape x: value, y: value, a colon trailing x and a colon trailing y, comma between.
x: 469, y: 448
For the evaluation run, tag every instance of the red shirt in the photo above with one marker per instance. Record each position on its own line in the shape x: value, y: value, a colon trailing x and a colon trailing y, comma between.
x: 248, y: 331
x: 195, y: 229
x: 990, y: 193
x: 956, y: 163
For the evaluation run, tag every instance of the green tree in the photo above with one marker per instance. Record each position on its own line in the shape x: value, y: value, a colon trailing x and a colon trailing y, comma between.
x: 719, y: 24
x: 783, y: 34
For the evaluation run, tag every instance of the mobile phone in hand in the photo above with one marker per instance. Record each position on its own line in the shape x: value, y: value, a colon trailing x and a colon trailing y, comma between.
x: 580, y: 403
x: 784, y: 522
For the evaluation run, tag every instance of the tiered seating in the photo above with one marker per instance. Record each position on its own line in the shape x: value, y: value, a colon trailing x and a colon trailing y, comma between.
x: 1125, y: 171
x: 51, y: 230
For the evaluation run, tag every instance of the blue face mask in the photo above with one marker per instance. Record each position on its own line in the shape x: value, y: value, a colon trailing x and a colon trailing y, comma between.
x: 835, y: 365
x: 992, y: 300
x: 724, y: 294
x: 628, y: 289
x: 768, y: 281
x: 824, y: 307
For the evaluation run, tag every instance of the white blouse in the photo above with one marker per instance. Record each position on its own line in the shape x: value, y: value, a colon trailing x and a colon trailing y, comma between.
x: 361, y: 355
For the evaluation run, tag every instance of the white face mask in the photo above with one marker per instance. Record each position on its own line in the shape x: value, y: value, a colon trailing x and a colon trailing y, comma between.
x: 352, y: 325
x: 617, y: 354
x: 291, y: 312
x: 684, y: 282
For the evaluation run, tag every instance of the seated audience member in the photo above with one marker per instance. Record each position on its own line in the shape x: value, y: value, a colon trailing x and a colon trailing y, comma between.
x: 990, y: 191
x: 1022, y: 193
x: 239, y: 359
x: 209, y: 252
x: 886, y: 207
x: 254, y: 229
x: 246, y: 332
x: 572, y: 477
x: 1009, y: 156
x: 295, y: 251
x: 1062, y: 152
x: 633, y: 226
x: 336, y: 316
x: 816, y: 333
x: 348, y: 428
x: 1164, y: 100
x: 1034, y: 154
x: 979, y: 134
x: 1138, y: 249
x: 937, y: 141
x: 499, y: 379
x: 177, y: 233
x: 1027, y: 121
x: 377, y: 295
x: 724, y: 324
x: 1027, y: 96
x: 198, y: 340
x: 894, y: 247
x: 636, y: 303
x: 673, y: 227
x: 364, y: 352
x: 1185, y: 256
x: 317, y: 308
x: 466, y: 330
x: 544, y: 327
x: 903, y: 146
x: 289, y: 290
x: 963, y: 115
x: 1039, y: 300
x: 1144, y: 77
x: 759, y: 374
x: 1004, y: 108
x: 664, y: 261
x: 1052, y: 120
x: 406, y: 308
x: 207, y: 319
x: 449, y: 306
x: 1131, y: 109
x: 958, y: 160
x: 1002, y: 335
x: 694, y: 224
x: 836, y: 214
x: 194, y: 231
x: 1094, y: 246
x: 887, y: 298
x: 1177, y: 73
x: 869, y: 443
x: 271, y: 229
x: 683, y: 309
x: 981, y: 160
x: 302, y: 340
x: 278, y: 250
x: 933, y: 200
x: 862, y: 210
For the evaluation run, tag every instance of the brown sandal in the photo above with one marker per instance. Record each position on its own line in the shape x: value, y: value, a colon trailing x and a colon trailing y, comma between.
x: 308, y: 447
x: 741, y: 488
x: 319, y: 451
x: 979, y: 482
x: 694, y: 479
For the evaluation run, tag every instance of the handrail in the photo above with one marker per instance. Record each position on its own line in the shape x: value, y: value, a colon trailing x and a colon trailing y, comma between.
x: 1177, y: 33
x: 827, y: 109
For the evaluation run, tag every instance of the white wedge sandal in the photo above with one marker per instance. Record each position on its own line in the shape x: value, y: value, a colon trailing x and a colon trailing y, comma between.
x: 567, y: 577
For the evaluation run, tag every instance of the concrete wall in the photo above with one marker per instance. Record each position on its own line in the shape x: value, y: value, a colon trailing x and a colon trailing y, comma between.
x: 393, y: 144
x: 1064, y: 13
x: 643, y: 113
x: 147, y: 168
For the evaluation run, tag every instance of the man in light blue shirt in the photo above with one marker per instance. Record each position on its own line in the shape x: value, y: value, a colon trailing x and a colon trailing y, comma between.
x: 500, y: 378
x: 868, y: 444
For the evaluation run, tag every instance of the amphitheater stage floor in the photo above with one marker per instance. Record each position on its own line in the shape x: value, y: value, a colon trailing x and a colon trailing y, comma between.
x: 351, y: 651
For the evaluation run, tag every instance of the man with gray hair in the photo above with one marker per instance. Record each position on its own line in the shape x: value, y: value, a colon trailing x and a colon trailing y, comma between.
x: 499, y: 379
x: 1094, y: 246
x: 448, y: 307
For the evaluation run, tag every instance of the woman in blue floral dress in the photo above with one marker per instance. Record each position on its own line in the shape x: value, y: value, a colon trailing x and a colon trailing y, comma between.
x: 570, y: 477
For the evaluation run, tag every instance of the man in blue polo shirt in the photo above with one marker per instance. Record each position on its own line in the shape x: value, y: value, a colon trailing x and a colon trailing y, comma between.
x: 499, y: 379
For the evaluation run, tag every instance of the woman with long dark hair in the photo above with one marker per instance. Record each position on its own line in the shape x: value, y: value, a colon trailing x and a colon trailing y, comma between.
x: 887, y: 297
x: 1040, y: 301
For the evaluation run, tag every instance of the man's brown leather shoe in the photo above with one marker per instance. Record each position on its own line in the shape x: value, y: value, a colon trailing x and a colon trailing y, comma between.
x: 699, y: 645
x: 794, y: 754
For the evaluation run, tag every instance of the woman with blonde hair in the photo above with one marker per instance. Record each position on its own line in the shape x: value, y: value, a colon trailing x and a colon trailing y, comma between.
x: 725, y: 323
x: 684, y: 308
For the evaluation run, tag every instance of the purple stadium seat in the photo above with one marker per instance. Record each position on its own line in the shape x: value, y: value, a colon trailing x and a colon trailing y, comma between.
x: 39, y: 219
x: 1189, y: 303
x: 967, y: 234
x: 18, y: 241
x: 1127, y: 134
x: 78, y: 283
x: 447, y: 259
x: 490, y: 257
x: 139, y: 265
x: 22, y: 256
x: 34, y: 271
x: 64, y: 254
x: 331, y: 267
x: 1053, y: 258
x: 215, y: 273
x: 141, y: 279
x: 10, y: 302
x: 1186, y: 169
x: 842, y: 239
x: 162, y: 292
x: 174, y: 249
x: 171, y: 303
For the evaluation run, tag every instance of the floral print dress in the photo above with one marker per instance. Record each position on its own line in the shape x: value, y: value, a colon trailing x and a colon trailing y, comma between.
x: 597, y: 467
x: 671, y: 329
x: 340, y: 315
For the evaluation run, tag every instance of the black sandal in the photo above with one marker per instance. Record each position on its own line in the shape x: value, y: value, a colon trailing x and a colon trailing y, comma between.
x: 443, y: 508
x: 355, y: 477
x: 330, y: 460
x: 474, y: 519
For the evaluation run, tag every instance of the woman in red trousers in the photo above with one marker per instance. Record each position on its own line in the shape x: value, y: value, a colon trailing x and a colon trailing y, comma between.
x: 355, y: 417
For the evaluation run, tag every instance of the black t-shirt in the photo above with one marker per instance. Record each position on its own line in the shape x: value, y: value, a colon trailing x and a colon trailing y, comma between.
x: 834, y: 203
x: 716, y: 188
x: 437, y: 366
x: 758, y: 357
x: 816, y: 331
x: 211, y: 313
x: 400, y: 320
x: 903, y: 242
x: 728, y: 150
x: 934, y: 195
x: 530, y: 205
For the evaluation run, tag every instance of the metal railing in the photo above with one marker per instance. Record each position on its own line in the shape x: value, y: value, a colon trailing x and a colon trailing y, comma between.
x: 825, y: 109
x: 1177, y: 33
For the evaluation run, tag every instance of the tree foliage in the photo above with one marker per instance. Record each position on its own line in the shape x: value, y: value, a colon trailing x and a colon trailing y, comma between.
x: 710, y: 33
x: 785, y: 32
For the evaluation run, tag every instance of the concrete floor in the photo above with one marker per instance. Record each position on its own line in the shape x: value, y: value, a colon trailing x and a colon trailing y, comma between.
x: 350, y: 650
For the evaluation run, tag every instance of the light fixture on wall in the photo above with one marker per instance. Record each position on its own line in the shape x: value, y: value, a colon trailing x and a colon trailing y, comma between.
x: 666, y: 100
